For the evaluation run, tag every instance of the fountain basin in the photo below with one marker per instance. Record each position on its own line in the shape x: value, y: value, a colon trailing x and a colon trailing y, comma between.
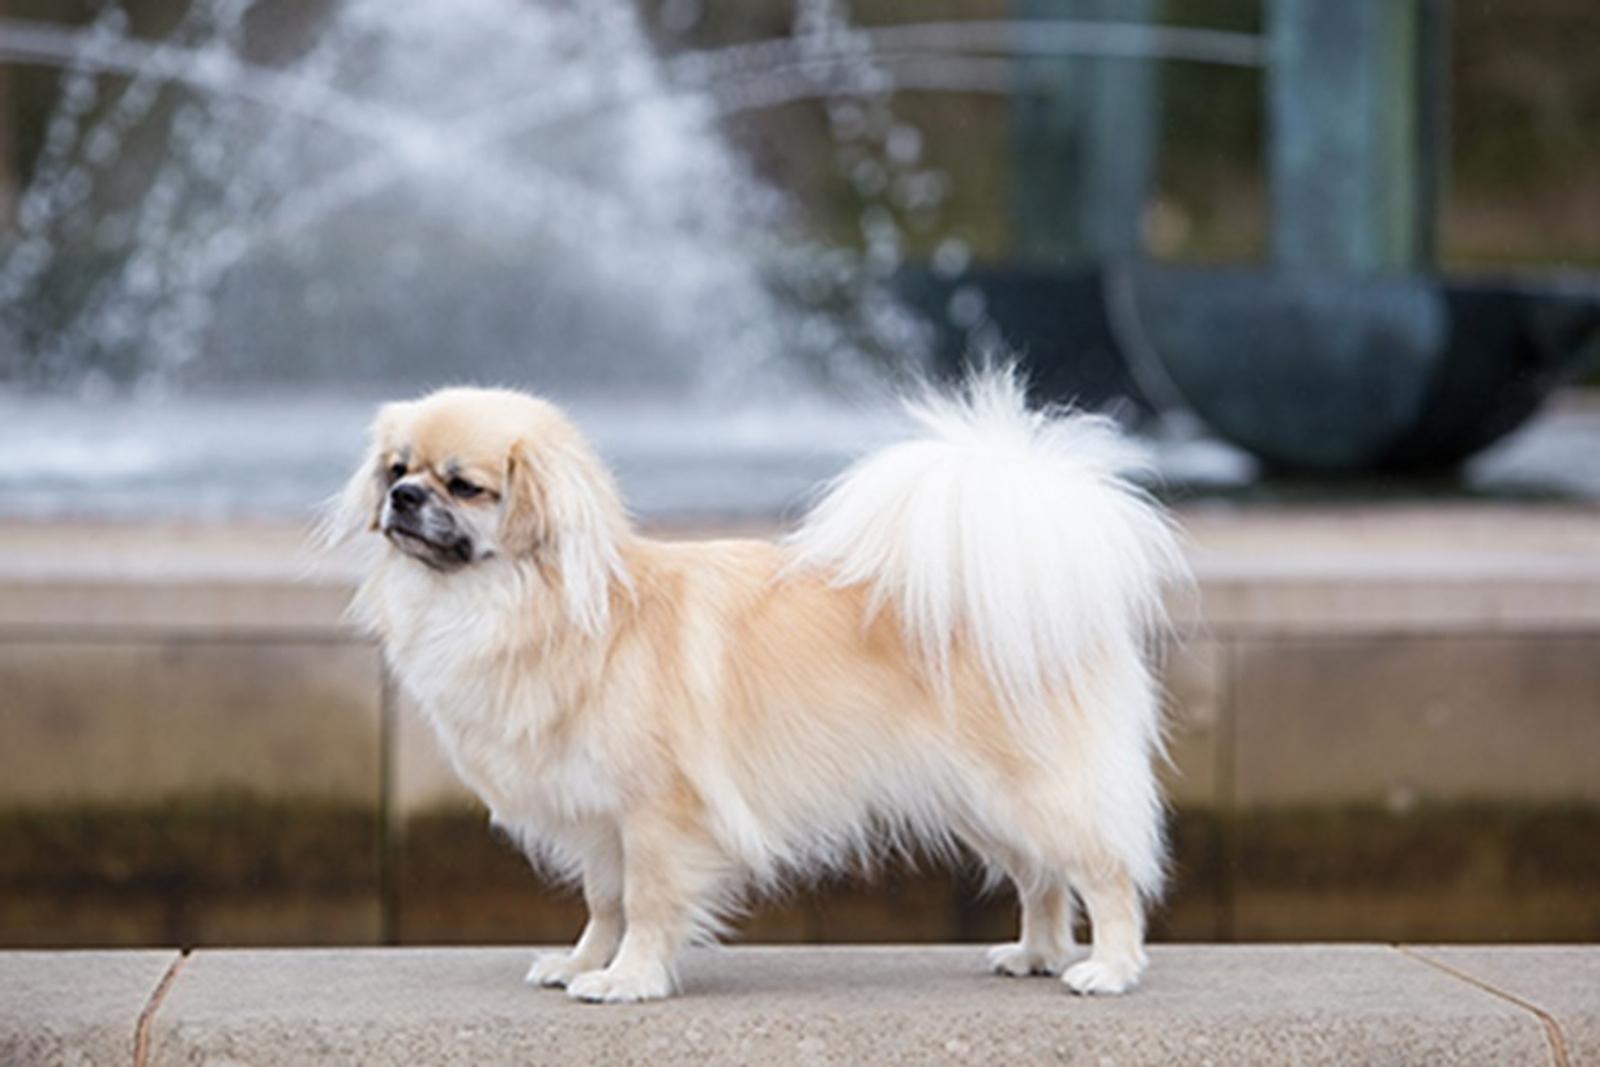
x: 1324, y: 374
x: 1337, y: 375
x: 1054, y: 320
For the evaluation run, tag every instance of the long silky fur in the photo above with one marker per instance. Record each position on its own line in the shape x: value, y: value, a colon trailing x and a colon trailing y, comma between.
x: 951, y: 650
x: 1018, y: 529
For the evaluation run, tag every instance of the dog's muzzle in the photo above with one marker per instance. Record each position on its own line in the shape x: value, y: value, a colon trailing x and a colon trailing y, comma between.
x: 416, y: 524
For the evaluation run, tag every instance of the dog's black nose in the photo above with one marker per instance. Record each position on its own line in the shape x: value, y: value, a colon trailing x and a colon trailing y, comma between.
x: 407, y: 496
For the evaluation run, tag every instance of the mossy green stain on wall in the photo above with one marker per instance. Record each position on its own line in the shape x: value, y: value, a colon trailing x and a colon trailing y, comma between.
x: 217, y: 843
x: 231, y: 869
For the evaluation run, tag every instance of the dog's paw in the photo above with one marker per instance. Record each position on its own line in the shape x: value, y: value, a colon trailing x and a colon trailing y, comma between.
x: 1017, y: 960
x: 556, y: 969
x: 612, y: 986
x: 1095, y: 977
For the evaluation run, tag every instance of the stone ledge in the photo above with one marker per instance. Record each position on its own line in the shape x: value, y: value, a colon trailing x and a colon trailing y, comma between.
x: 1200, y: 1004
x: 1456, y: 568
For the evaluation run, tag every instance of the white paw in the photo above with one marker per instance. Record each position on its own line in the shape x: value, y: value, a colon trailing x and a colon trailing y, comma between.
x: 611, y: 986
x: 1015, y: 959
x: 1103, y: 977
x: 556, y: 969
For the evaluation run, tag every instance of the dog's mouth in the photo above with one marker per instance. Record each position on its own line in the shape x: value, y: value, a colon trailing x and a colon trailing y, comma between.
x: 440, y: 555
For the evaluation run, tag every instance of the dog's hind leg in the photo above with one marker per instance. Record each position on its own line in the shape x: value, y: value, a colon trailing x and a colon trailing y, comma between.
x: 1116, y: 916
x: 1045, y: 944
x: 1050, y: 841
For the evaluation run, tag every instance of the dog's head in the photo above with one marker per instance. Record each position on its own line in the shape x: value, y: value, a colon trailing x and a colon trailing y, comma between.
x: 463, y: 477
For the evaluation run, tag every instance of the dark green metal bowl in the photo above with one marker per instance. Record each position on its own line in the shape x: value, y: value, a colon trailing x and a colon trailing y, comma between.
x: 1328, y: 374
x: 1336, y: 374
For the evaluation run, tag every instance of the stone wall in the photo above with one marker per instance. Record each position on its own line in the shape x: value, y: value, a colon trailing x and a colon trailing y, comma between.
x: 1385, y: 725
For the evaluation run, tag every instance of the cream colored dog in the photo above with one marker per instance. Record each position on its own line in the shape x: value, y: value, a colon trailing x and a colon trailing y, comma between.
x: 952, y: 648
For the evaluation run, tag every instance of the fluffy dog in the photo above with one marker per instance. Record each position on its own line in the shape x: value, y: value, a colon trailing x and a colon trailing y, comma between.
x: 951, y: 649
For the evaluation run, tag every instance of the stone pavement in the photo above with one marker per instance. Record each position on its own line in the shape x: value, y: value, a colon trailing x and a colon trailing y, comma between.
x: 1201, y: 1004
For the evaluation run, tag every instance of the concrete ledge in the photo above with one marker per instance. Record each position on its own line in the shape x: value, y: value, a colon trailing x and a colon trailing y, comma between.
x: 1201, y: 1004
x: 1455, y: 568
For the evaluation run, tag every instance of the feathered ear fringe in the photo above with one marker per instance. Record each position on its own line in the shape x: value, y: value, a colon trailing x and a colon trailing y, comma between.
x: 354, y: 509
x: 562, y: 510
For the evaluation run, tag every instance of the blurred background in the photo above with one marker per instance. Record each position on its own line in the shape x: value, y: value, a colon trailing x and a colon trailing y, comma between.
x: 1336, y: 263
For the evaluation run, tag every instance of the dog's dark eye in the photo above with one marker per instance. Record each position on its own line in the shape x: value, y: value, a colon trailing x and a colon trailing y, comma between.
x: 463, y: 489
x: 397, y: 471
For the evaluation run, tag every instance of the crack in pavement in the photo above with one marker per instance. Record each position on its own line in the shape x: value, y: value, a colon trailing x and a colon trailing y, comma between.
x: 141, y: 1031
x: 1552, y: 1028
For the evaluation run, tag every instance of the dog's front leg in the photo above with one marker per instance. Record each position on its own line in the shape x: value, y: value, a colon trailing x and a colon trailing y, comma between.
x: 671, y: 871
x: 602, y: 893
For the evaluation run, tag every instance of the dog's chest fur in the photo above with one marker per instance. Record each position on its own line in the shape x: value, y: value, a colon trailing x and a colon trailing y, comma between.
x: 462, y: 649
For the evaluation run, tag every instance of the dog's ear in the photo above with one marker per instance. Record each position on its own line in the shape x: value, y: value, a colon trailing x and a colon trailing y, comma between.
x: 561, y: 510
x: 354, y: 510
x: 524, y: 514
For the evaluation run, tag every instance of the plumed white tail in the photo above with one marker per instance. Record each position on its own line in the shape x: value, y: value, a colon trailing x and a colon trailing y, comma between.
x: 1017, y: 529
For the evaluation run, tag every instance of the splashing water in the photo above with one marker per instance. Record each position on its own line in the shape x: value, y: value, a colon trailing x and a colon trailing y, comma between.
x: 262, y: 220
x: 405, y: 194
x: 365, y: 192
